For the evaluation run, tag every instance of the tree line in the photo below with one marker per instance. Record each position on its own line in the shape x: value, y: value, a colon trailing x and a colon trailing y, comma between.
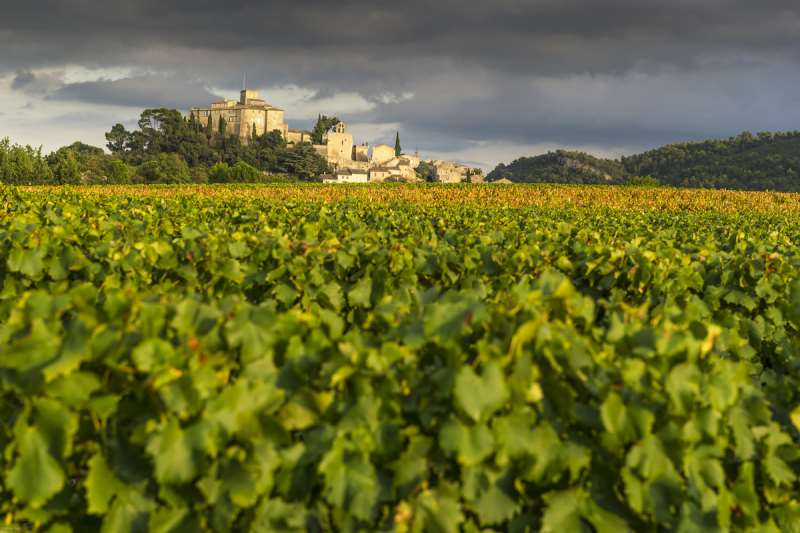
x: 765, y: 161
x: 164, y: 148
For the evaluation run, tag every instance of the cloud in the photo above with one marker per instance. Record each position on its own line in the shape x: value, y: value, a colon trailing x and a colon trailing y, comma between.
x: 139, y: 92
x: 454, y: 76
x: 37, y: 84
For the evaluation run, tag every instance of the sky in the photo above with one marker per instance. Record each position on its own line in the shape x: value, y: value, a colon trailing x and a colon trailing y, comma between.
x: 479, y: 82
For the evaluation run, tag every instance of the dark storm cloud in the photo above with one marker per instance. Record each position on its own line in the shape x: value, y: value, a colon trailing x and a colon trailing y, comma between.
x: 139, y: 91
x: 368, y: 37
x: 22, y: 80
x: 28, y: 82
x: 525, y: 71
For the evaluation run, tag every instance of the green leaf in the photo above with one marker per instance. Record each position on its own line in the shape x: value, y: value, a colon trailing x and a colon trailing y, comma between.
x: 27, y: 262
x: 101, y: 485
x: 495, y: 506
x: 471, y: 444
x: 604, y: 521
x: 57, y: 425
x: 563, y: 512
x: 250, y: 332
x: 40, y: 345
x: 36, y: 476
x: 350, y: 482
x: 152, y: 354
x: 167, y: 520
x: 616, y: 419
x: 173, y: 454
x: 480, y: 397
x: 333, y: 295
x: 441, y: 513
x: 360, y: 294
x: 128, y: 513
x: 238, y: 249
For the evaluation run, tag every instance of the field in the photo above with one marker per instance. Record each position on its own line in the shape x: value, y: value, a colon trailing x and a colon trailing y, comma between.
x: 399, y: 358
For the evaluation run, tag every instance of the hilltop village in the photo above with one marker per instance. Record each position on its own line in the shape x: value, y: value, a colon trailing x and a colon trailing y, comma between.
x: 349, y: 162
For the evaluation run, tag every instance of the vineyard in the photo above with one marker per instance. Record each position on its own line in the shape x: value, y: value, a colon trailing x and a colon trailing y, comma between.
x: 399, y: 358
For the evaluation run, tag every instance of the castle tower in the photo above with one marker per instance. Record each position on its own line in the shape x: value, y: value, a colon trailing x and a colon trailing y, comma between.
x: 242, y: 117
x: 340, y: 144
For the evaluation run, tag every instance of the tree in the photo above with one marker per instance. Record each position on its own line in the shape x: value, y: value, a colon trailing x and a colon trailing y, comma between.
x: 118, y: 139
x: 209, y: 127
x: 66, y: 168
x: 219, y: 173
x: 323, y: 125
x: 164, y: 168
x: 119, y: 172
x: 241, y: 172
x: 643, y: 181
x: 223, y: 126
x: 425, y: 171
x: 398, y: 151
x: 23, y: 164
x: 302, y: 161
x: 253, y: 135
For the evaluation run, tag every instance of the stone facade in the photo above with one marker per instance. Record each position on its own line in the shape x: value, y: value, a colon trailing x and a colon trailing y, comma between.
x: 339, y: 145
x: 447, y: 172
x: 347, y: 175
x: 361, y: 153
x: 299, y: 136
x: 381, y: 153
x: 242, y: 116
x: 379, y: 174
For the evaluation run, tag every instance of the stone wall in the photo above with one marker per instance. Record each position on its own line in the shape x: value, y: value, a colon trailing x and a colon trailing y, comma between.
x: 361, y: 153
x: 340, y: 146
x: 242, y: 115
x: 447, y: 172
x: 381, y: 154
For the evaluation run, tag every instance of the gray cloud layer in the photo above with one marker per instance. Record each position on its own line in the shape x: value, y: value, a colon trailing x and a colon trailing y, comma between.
x: 601, y: 72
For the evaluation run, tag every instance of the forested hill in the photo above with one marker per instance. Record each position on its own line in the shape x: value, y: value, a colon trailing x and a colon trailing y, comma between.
x: 766, y: 161
x: 758, y: 162
x: 560, y: 166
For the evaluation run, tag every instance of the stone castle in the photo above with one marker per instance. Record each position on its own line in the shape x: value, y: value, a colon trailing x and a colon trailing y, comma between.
x: 242, y: 116
x: 350, y: 162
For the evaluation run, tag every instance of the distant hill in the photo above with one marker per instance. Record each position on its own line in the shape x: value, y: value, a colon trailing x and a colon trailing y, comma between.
x: 747, y: 161
x: 766, y: 161
x: 560, y: 166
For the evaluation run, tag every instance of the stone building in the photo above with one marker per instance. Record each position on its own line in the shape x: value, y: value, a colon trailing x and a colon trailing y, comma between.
x: 339, y: 143
x: 299, y: 136
x: 242, y: 116
x: 447, y: 172
x: 346, y: 175
x: 361, y: 153
x: 379, y: 174
x: 381, y: 153
x: 403, y: 168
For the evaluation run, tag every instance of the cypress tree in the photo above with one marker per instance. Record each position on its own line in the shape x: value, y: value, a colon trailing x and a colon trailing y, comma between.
x: 397, y: 149
x: 254, y: 131
x: 223, y: 126
x: 209, y: 127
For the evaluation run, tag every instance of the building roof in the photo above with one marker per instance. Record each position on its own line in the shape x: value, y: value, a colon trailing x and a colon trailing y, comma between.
x: 265, y: 106
x: 350, y: 171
